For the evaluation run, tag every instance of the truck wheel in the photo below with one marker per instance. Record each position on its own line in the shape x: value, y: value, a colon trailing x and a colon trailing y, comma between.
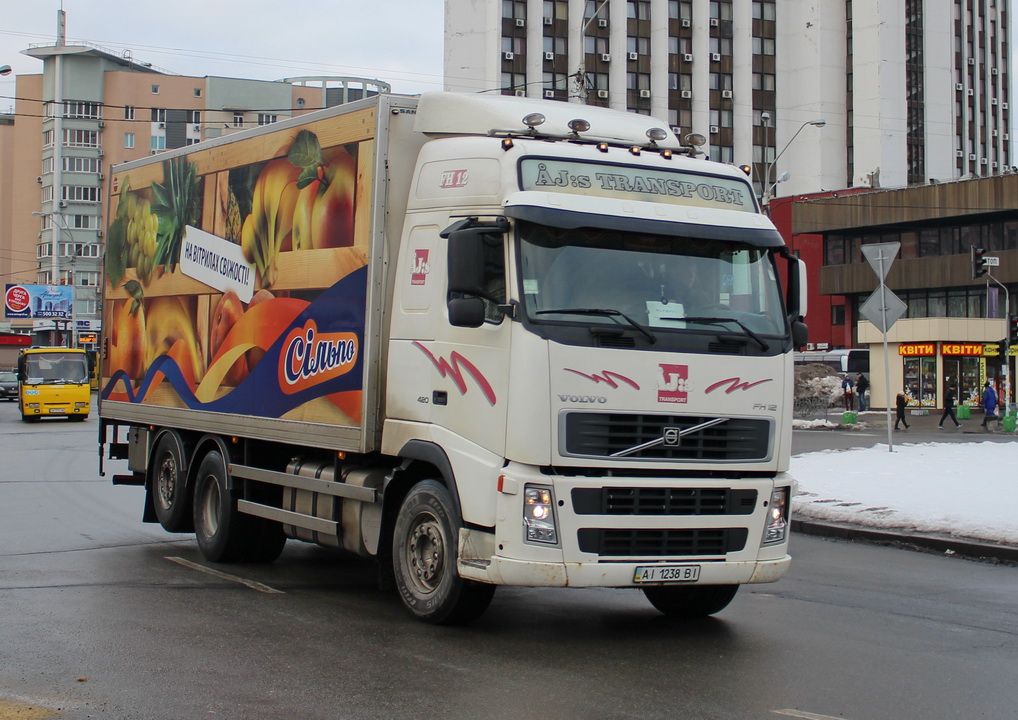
x: 692, y: 601
x: 424, y: 559
x: 266, y: 540
x: 219, y: 528
x: 169, y: 485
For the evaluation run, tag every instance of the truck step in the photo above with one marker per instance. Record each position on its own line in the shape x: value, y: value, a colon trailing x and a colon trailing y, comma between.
x: 327, y: 527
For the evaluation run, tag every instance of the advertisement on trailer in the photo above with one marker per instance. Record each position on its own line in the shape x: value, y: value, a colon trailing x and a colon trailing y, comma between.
x: 237, y: 283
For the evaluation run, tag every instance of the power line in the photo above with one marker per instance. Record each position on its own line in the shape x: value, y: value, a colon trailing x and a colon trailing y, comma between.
x: 257, y: 60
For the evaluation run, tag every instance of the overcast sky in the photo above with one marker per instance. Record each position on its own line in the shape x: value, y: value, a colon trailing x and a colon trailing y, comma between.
x: 397, y: 41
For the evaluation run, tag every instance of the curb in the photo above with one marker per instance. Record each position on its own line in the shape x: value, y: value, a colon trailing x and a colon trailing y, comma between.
x: 942, y: 544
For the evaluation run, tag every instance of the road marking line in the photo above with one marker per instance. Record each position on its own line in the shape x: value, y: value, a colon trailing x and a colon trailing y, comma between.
x: 226, y: 576
x: 804, y: 715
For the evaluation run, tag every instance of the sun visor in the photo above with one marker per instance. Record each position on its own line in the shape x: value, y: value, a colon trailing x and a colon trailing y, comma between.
x: 570, y: 219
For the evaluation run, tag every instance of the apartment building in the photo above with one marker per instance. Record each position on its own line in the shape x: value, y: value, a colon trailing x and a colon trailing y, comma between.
x: 874, y: 93
x: 89, y: 109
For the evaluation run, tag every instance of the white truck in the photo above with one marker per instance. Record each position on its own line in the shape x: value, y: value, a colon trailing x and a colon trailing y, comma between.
x: 483, y: 340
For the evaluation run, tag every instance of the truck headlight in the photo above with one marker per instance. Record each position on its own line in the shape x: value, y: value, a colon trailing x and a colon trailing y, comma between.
x: 80, y: 404
x: 776, y: 529
x: 539, y: 514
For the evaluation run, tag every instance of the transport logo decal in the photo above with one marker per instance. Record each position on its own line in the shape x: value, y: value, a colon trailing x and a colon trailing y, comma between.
x: 673, y: 385
x: 734, y: 384
x: 608, y: 377
x: 453, y: 368
x: 419, y: 272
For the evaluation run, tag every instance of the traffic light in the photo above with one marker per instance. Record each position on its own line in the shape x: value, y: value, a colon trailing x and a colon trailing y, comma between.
x: 978, y: 263
x: 1012, y: 329
x: 1002, y: 348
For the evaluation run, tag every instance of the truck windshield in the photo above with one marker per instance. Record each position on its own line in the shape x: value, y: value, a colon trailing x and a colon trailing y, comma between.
x: 55, y: 368
x: 664, y: 286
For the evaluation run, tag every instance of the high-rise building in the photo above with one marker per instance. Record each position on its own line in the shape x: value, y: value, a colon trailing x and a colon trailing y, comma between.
x: 91, y: 108
x: 911, y: 91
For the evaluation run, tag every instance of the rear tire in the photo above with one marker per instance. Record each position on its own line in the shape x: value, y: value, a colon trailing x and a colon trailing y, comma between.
x: 169, y: 485
x: 218, y: 527
x: 691, y: 601
x: 266, y: 540
x: 424, y: 553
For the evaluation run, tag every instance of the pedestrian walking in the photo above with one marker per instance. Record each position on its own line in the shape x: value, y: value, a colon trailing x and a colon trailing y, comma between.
x: 847, y: 387
x: 861, y: 386
x: 989, y: 405
x: 949, y: 408
x: 899, y: 403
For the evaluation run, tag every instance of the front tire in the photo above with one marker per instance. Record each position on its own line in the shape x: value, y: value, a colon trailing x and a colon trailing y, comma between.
x: 169, y: 485
x: 425, y: 541
x: 691, y: 601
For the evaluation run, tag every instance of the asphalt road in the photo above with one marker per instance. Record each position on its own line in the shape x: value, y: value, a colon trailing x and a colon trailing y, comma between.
x: 102, y: 616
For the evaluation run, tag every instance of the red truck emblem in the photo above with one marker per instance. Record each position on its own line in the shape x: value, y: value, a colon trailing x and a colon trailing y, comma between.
x: 735, y: 384
x: 454, y: 367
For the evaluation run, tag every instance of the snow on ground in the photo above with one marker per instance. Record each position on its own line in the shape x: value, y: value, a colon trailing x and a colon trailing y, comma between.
x: 968, y: 490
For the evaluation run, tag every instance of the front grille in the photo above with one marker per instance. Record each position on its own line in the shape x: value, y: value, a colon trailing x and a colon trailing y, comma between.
x: 603, y: 434
x: 663, y: 501
x: 661, y: 543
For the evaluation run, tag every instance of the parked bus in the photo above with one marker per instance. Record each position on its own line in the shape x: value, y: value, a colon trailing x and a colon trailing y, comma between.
x: 844, y: 361
x: 54, y: 382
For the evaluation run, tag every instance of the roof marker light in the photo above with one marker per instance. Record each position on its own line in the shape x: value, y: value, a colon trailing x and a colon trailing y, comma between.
x: 602, y: 146
x: 635, y: 150
x: 507, y: 144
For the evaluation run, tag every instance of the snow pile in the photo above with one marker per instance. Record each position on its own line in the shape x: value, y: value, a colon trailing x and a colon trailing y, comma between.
x: 967, y: 490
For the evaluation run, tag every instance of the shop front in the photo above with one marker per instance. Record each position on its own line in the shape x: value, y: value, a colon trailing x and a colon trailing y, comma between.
x: 929, y: 369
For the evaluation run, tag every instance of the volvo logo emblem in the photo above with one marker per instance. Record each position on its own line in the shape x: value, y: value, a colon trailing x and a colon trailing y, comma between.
x: 671, y: 436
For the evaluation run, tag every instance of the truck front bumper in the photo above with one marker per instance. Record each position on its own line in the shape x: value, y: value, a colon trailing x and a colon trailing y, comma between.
x: 615, y: 541
x: 506, y: 571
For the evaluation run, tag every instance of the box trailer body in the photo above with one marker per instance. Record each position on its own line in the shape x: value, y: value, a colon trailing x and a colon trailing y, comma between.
x: 468, y: 336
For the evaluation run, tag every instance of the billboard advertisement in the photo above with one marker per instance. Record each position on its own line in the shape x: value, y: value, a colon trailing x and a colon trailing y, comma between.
x: 236, y: 282
x: 39, y: 302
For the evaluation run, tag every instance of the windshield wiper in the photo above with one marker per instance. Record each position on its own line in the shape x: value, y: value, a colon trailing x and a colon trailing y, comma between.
x: 603, y: 312
x: 718, y: 321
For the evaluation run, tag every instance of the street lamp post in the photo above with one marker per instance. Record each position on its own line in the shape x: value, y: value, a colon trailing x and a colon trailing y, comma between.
x: 768, y: 186
x: 59, y: 225
x: 580, y: 78
x: 54, y: 260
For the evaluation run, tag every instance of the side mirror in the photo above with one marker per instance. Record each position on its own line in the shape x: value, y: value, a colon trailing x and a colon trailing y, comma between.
x: 466, y: 261
x: 466, y: 312
x: 800, y: 333
x: 803, y: 295
x: 22, y: 371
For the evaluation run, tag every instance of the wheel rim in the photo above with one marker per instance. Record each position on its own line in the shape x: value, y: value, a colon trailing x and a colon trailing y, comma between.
x: 210, y: 503
x: 425, y: 553
x: 166, y: 481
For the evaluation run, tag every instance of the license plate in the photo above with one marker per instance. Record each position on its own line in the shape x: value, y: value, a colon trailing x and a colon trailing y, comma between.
x: 56, y: 410
x: 666, y: 573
